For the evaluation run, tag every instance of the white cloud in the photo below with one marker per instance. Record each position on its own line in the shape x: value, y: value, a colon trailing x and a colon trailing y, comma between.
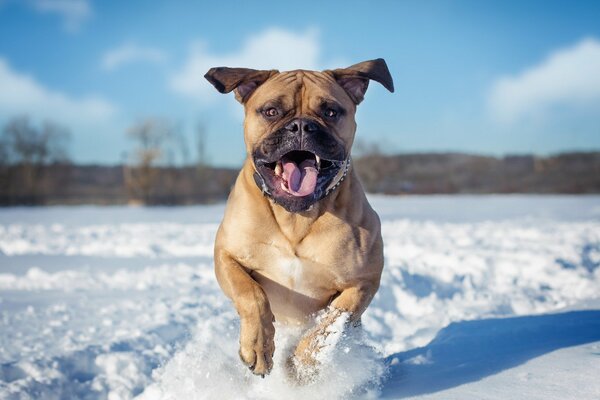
x: 271, y: 49
x: 129, y: 53
x: 73, y: 12
x: 21, y: 94
x: 96, y: 124
x: 569, y: 77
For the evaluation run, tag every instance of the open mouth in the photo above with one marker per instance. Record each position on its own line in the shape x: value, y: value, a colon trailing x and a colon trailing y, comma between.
x: 299, y: 173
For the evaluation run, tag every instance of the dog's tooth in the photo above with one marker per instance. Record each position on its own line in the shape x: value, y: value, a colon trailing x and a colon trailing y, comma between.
x: 278, y: 169
x: 318, y: 159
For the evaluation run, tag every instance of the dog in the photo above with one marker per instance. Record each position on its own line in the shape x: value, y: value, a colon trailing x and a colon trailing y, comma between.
x: 298, y: 235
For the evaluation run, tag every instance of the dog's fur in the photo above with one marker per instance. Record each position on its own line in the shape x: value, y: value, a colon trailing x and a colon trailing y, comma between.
x: 285, y: 257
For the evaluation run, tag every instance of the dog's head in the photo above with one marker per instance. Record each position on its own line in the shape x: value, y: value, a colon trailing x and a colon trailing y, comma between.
x: 299, y: 125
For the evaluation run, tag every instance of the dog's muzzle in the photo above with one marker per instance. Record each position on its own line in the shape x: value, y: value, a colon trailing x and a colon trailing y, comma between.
x: 299, y: 164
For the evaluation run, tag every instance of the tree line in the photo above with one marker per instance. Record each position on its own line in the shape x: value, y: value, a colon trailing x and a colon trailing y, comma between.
x: 162, y: 169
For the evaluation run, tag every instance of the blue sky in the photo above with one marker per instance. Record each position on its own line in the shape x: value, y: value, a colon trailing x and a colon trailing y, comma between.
x: 483, y: 77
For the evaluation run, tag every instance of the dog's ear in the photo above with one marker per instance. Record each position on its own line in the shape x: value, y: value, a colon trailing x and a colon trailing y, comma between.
x: 243, y: 81
x: 355, y: 79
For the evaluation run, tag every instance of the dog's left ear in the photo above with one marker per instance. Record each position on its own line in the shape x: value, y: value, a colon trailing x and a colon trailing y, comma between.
x: 243, y: 81
x: 355, y: 79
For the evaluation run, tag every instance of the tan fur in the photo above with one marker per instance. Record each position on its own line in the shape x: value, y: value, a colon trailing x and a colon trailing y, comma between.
x: 288, y: 266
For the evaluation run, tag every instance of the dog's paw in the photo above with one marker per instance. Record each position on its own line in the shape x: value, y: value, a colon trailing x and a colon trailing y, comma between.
x: 306, y: 351
x: 317, y: 346
x: 303, y: 365
x: 302, y: 371
x: 257, y: 344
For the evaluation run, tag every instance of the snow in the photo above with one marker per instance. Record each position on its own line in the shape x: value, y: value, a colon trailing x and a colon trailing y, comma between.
x: 482, y: 297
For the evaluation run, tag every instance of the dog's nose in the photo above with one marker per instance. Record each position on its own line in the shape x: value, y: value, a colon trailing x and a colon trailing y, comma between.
x: 302, y: 125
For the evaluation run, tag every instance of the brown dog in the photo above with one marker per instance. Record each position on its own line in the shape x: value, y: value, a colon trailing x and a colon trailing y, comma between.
x: 298, y: 234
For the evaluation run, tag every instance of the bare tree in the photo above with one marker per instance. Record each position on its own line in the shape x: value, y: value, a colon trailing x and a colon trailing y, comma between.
x: 364, y: 148
x: 180, y: 146
x: 201, y: 155
x: 158, y: 143
x: 25, y: 143
x: 202, y: 162
x: 25, y: 149
x: 176, y: 148
x: 4, y: 159
x: 149, y: 135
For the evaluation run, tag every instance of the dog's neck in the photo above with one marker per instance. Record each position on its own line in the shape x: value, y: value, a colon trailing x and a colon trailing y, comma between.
x: 295, y: 226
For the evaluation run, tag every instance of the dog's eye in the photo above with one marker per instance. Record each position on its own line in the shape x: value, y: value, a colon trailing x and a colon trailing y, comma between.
x: 331, y: 113
x: 271, y: 112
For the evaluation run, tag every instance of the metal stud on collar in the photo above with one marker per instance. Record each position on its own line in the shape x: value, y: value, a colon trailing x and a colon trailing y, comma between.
x: 338, y: 183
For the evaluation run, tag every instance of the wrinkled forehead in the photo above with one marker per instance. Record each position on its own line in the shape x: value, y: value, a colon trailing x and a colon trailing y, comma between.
x: 306, y: 87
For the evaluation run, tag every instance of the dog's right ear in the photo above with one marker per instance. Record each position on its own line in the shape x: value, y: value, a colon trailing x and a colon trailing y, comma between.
x: 243, y: 81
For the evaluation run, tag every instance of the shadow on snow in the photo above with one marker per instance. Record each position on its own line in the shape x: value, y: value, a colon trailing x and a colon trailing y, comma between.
x: 468, y: 351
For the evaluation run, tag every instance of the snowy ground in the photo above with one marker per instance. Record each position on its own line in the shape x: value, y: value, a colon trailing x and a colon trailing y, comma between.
x: 483, y: 297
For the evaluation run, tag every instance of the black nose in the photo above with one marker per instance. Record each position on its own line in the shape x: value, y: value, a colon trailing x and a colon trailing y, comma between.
x: 302, y: 125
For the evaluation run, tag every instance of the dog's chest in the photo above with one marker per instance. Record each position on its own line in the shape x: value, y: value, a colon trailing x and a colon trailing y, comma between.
x: 291, y: 272
x: 295, y: 287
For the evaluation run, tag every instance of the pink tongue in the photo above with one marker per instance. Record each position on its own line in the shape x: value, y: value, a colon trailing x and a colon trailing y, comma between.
x: 301, y: 179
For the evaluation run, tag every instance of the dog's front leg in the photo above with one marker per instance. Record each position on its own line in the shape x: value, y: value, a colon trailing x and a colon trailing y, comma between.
x: 256, y: 319
x: 349, y: 305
